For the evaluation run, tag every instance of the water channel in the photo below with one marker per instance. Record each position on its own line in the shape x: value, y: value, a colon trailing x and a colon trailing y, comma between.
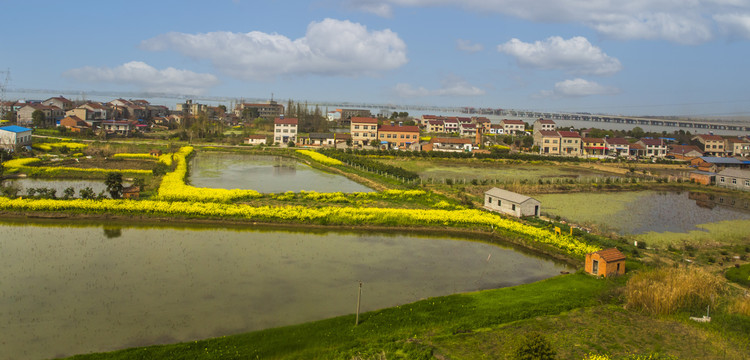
x: 97, y: 287
x: 264, y: 173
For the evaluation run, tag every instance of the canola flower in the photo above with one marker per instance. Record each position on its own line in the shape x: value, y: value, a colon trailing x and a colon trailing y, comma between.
x: 302, y: 214
x: 49, y: 146
x: 320, y: 157
x: 132, y: 156
x: 173, y: 187
x: 20, y: 163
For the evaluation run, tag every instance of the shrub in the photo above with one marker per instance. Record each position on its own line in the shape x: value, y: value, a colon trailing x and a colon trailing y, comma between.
x: 740, y: 305
x: 534, y: 346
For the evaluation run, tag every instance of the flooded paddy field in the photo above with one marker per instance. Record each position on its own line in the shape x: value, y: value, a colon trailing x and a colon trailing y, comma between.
x: 658, y: 216
x: 265, y: 174
x: 98, y: 287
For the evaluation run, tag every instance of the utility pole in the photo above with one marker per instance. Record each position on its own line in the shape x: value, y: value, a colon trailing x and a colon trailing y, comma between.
x: 359, y: 297
x: 3, y: 87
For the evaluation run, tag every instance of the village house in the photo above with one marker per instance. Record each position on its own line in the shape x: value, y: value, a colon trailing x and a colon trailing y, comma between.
x: 51, y: 114
x: 653, y: 148
x: 395, y: 136
x: 703, y: 177
x: 513, y: 127
x: 605, y: 263
x: 617, y: 147
x: 449, y: 145
x: 594, y: 146
x: 466, y: 129
x: 285, y: 130
x: 319, y: 139
x: 507, y: 202
x: 125, y: 109
x: 364, y: 130
x: 59, y: 102
x: 13, y: 137
x: 684, y: 152
x: 425, y: 119
x: 548, y: 142
x: 713, y: 145
x: 483, y: 123
x: 95, y: 111
x: 451, y: 125
x: 570, y: 143
x: 716, y: 164
x: 737, y: 179
x: 122, y: 127
x: 737, y: 147
x: 435, y: 126
x: 497, y: 129
x: 543, y: 124
x: 75, y: 124
x: 255, y: 140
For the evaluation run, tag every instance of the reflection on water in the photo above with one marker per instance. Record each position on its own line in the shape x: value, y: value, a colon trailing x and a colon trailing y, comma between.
x: 264, y: 173
x: 68, y: 290
x: 710, y: 201
x: 58, y: 185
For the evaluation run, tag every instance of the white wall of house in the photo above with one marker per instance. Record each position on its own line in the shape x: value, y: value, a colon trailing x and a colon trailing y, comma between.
x: 529, y: 207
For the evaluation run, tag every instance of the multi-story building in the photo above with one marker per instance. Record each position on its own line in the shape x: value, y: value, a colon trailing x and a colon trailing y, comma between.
x: 348, y: 114
x: 713, y: 145
x: 189, y: 108
x: 51, y: 114
x: 618, y: 147
x: 451, y: 125
x: 547, y: 141
x: 59, y: 102
x: 737, y: 147
x: 513, y: 127
x: 364, y: 130
x: 653, y: 147
x: 268, y: 110
x: 593, y: 146
x: 543, y: 124
x: 483, y: 123
x: 435, y: 126
x: 570, y: 143
x: 466, y: 129
x: 395, y: 136
x: 285, y: 130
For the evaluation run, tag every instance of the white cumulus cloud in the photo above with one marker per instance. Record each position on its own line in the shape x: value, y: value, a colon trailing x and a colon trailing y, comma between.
x: 575, y: 55
x: 578, y: 88
x: 330, y: 47
x: 451, y: 86
x: 680, y: 21
x: 468, y: 46
x: 147, y: 77
x: 737, y: 25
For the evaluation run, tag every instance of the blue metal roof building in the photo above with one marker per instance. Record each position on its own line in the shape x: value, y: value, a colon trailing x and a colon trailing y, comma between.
x: 14, y: 128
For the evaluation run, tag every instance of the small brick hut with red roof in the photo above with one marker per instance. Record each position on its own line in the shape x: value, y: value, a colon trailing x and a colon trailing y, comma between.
x: 607, y: 262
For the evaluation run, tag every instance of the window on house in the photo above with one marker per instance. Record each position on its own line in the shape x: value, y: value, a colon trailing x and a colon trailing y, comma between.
x: 721, y: 179
x: 356, y: 127
x: 734, y: 181
x: 513, y: 207
x: 489, y: 200
x: 595, y: 267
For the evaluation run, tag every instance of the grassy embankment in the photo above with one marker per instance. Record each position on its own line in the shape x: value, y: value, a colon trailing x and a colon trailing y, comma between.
x: 406, y: 331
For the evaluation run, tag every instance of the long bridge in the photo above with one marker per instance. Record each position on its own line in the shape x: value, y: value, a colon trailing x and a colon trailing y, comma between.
x: 682, y: 123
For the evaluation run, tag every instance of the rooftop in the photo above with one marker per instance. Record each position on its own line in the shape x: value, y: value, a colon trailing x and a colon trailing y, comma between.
x: 14, y: 128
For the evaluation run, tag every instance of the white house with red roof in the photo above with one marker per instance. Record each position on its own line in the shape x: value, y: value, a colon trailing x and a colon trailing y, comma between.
x: 285, y: 130
x: 513, y: 126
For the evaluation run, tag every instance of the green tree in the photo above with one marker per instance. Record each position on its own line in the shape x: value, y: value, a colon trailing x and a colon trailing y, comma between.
x: 86, y: 193
x: 68, y: 193
x: 114, y: 184
x: 637, y: 132
x: 38, y: 118
x: 374, y: 142
x: 527, y: 141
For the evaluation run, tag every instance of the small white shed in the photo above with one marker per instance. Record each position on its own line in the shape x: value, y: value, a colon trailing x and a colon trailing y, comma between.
x: 508, y: 202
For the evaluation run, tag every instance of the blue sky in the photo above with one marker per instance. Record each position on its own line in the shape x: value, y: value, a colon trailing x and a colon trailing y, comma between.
x: 636, y: 57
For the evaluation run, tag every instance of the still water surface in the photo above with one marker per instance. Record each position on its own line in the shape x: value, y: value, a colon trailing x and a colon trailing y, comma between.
x: 263, y: 173
x: 68, y: 290
x: 639, y: 212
